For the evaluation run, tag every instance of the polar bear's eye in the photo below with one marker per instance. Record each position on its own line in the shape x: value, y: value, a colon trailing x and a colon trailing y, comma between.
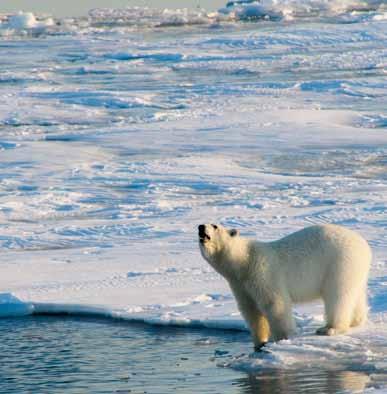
x: 214, y: 226
x: 233, y: 232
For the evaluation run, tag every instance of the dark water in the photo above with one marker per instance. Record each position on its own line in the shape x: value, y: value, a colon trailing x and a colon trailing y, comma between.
x: 55, y: 354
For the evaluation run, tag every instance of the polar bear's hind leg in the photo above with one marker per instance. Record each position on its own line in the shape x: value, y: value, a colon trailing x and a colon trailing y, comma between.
x: 360, y: 311
x: 340, y: 306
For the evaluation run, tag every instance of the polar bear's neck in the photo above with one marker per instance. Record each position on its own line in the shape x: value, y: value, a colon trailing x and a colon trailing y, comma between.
x: 234, y: 258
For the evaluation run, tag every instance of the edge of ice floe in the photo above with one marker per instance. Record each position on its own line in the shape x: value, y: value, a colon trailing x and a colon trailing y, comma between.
x: 10, y: 307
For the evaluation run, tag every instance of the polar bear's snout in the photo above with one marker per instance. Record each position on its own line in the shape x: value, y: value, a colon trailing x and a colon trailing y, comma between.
x: 203, y: 235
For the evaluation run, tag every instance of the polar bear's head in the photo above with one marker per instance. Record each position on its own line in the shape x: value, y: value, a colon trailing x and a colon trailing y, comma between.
x: 216, y: 245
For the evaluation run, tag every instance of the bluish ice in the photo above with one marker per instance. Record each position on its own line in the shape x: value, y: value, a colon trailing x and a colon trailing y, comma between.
x: 120, y: 132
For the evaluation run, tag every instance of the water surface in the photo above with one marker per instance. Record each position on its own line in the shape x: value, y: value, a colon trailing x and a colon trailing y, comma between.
x: 50, y: 354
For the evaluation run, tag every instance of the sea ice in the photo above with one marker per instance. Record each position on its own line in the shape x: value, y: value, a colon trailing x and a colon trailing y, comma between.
x: 121, y: 132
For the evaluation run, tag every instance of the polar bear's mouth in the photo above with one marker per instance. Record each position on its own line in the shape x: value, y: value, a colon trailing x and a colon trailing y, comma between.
x: 203, y: 236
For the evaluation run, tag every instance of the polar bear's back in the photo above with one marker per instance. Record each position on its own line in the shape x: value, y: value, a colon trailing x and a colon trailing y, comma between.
x: 321, y: 253
x: 328, y: 239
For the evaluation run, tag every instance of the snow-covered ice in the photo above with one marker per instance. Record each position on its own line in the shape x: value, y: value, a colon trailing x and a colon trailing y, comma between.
x: 121, y: 132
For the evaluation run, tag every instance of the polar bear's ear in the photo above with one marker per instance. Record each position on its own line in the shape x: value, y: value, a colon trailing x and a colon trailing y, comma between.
x: 233, y: 232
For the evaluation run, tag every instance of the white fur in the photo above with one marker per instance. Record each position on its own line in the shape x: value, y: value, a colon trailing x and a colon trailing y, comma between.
x: 328, y: 262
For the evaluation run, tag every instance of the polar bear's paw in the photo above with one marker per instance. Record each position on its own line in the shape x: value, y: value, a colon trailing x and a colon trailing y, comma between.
x: 260, y: 347
x: 330, y: 331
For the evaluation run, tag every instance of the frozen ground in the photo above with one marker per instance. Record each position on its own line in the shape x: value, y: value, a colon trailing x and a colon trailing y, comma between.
x: 117, y: 138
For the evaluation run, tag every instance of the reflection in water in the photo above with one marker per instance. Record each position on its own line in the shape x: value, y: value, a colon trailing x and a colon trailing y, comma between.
x: 60, y: 354
x: 309, y: 381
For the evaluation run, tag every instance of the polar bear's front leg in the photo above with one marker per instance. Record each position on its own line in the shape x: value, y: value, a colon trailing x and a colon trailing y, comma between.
x: 280, y: 317
x: 256, y: 321
x: 260, y: 330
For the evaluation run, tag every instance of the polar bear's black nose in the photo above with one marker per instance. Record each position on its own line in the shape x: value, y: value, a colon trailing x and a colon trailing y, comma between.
x: 202, y: 230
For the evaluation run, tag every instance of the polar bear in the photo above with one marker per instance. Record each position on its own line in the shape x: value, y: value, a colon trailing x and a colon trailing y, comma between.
x: 266, y: 278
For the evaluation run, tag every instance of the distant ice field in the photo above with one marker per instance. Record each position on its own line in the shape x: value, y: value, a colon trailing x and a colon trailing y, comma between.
x: 121, y: 132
